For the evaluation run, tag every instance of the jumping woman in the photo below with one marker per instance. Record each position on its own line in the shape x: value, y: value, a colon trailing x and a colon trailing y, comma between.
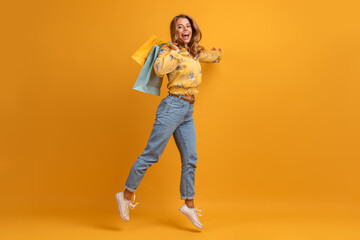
x: 180, y: 61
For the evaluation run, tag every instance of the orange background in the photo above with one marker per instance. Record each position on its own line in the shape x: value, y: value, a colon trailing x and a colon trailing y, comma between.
x: 277, y: 120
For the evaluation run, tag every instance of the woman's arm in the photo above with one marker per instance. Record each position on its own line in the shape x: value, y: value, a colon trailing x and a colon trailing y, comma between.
x: 167, y: 61
x: 211, y: 56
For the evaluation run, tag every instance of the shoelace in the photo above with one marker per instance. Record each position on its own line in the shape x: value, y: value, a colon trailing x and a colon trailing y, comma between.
x: 197, y: 211
x: 132, y: 206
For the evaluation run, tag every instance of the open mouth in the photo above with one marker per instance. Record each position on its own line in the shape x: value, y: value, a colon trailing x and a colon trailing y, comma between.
x: 186, y: 36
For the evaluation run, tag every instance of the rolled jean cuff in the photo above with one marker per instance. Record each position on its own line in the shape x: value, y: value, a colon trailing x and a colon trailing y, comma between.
x: 187, y: 198
x: 130, y: 189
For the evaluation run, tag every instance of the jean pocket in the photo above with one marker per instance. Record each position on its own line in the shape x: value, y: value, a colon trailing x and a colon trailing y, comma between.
x: 163, y: 107
x: 176, y: 103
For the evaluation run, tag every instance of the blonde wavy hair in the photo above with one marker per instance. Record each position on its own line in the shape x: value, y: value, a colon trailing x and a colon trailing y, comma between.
x: 193, y: 47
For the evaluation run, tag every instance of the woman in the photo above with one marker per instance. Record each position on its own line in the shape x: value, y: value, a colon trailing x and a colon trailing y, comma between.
x: 180, y: 62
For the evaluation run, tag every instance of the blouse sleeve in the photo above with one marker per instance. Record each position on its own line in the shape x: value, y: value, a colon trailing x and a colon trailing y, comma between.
x: 211, y: 56
x: 167, y: 61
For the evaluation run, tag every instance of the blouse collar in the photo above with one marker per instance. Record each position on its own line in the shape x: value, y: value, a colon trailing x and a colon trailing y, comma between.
x: 183, y: 51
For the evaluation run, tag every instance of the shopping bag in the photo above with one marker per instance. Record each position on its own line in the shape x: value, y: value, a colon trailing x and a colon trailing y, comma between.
x: 148, y: 81
x: 141, y: 54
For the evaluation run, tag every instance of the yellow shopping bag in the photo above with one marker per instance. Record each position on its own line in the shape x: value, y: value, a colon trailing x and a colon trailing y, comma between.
x: 142, y: 53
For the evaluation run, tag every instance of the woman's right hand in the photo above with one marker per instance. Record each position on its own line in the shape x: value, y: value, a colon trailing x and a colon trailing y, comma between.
x: 174, y: 47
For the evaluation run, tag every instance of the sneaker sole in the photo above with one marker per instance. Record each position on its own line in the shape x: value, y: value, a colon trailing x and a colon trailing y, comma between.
x: 190, y: 218
x: 118, y: 203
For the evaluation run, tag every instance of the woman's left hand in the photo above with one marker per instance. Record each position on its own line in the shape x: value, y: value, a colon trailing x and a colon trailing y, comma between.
x: 215, y: 49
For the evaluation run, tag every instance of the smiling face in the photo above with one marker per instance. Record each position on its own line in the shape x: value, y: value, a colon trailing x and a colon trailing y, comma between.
x: 183, y: 30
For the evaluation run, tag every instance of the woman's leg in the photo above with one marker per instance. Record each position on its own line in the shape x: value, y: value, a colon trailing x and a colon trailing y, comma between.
x: 185, y: 138
x: 189, y: 203
x: 168, y: 117
x: 158, y: 140
x: 127, y: 194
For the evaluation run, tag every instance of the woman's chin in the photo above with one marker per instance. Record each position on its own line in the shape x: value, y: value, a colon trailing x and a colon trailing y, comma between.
x: 186, y: 41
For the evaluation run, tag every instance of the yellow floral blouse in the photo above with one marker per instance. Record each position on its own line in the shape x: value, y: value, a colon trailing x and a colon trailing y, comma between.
x: 183, y: 71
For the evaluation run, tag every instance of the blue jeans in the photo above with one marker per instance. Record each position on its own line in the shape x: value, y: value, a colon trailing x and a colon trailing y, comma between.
x: 174, y: 116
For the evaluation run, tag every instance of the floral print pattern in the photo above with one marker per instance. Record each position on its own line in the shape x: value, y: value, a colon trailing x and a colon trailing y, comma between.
x: 182, y: 70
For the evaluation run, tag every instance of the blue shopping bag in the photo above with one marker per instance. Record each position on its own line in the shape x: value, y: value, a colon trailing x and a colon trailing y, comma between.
x: 148, y: 81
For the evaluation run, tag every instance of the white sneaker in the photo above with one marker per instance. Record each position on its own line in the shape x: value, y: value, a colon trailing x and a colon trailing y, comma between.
x: 123, y: 205
x: 192, y: 213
